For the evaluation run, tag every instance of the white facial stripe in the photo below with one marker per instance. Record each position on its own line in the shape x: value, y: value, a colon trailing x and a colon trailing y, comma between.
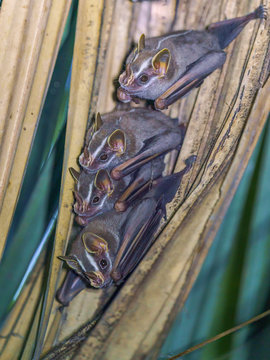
x: 89, y: 192
x: 171, y: 36
x: 103, y: 200
x: 99, y: 148
x: 110, y: 160
x: 92, y: 261
x: 135, y: 57
x: 144, y: 65
x: 80, y: 263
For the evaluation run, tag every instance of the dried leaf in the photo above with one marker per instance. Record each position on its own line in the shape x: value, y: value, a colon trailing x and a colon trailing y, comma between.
x: 225, y: 116
x: 88, y: 28
x: 39, y: 27
x: 15, y: 331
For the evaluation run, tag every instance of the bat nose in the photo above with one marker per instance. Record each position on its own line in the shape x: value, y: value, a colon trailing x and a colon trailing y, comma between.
x: 81, y: 208
x: 123, y: 78
x: 79, y: 201
x: 85, y: 158
x: 126, y: 78
x: 128, y: 70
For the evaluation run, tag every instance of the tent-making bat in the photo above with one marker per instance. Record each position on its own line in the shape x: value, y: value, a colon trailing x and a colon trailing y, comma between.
x: 111, y: 245
x: 167, y: 67
x: 126, y: 140
x: 97, y: 193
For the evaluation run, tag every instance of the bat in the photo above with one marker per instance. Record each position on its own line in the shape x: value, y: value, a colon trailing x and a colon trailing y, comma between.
x: 165, y: 68
x: 112, y: 244
x: 127, y: 140
x: 98, y: 193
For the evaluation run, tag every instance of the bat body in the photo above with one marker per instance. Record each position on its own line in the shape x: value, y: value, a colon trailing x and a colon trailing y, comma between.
x: 127, y: 140
x: 112, y: 244
x: 167, y: 67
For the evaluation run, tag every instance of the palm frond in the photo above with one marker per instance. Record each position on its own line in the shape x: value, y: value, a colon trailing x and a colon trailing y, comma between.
x: 225, y: 117
x: 31, y: 36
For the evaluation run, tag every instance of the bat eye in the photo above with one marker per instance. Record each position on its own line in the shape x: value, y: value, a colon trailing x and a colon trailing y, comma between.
x: 143, y: 78
x: 95, y: 200
x: 103, y: 157
x: 103, y: 263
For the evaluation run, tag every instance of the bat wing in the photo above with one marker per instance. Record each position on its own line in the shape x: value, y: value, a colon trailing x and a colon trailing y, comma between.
x: 193, y: 77
x: 137, y: 237
x: 154, y: 147
x: 139, y: 229
x: 227, y: 30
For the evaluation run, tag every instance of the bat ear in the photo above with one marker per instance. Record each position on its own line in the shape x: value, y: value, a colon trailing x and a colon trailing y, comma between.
x: 141, y: 43
x: 74, y: 173
x: 71, y: 262
x: 94, y: 244
x: 98, y: 122
x: 117, y: 141
x: 103, y: 181
x: 161, y: 61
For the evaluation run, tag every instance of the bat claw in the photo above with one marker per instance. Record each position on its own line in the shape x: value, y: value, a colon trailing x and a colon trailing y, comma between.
x: 160, y: 104
x: 116, y: 174
x: 120, y: 206
x: 123, y: 96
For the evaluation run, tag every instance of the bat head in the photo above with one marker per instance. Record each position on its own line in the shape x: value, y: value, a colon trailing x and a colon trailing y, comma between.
x: 105, y: 146
x: 93, y: 195
x: 90, y: 259
x: 145, y: 73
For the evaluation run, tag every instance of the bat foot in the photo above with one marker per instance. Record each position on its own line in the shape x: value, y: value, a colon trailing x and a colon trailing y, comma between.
x: 260, y: 12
